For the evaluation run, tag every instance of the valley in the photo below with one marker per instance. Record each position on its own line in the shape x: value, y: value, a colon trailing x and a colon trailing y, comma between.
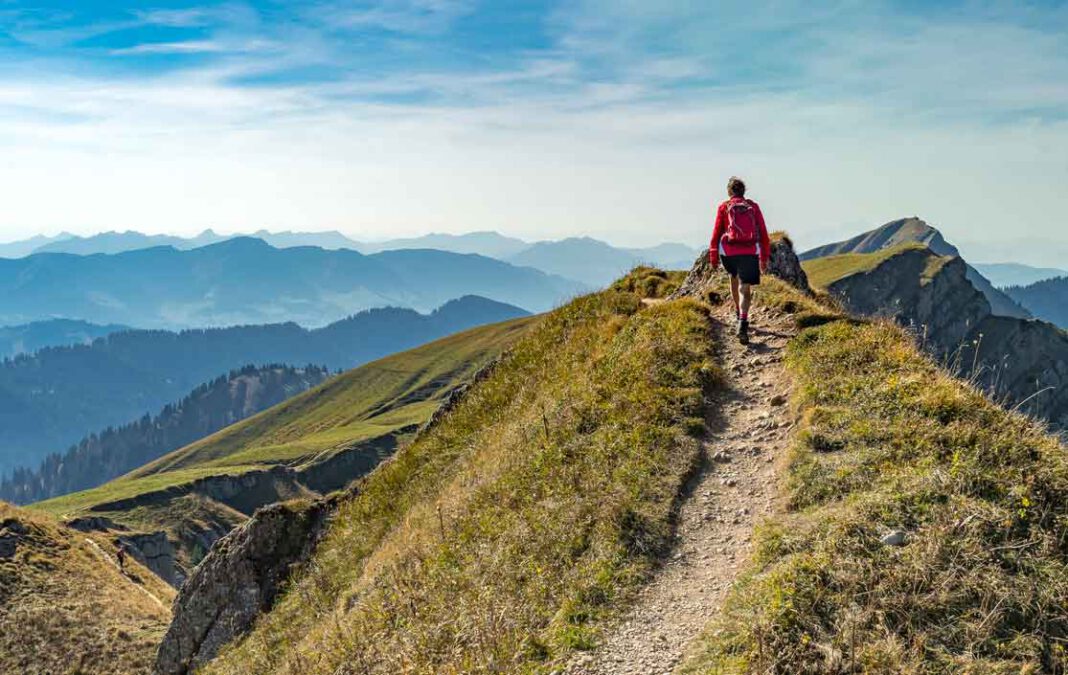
x: 312, y: 444
x: 53, y: 398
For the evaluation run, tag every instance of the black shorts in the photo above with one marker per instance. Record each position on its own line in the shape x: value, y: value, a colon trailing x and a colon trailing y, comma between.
x: 745, y: 267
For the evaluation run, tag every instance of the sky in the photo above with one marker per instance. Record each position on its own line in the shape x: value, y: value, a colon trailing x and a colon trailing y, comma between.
x: 618, y: 119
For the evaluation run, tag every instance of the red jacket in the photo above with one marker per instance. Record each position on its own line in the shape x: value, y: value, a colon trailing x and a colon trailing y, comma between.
x: 761, y: 248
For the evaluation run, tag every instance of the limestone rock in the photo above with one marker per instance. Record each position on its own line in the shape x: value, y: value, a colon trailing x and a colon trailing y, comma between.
x: 783, y: 263
x: 239, y: 579
x: 893, y: 538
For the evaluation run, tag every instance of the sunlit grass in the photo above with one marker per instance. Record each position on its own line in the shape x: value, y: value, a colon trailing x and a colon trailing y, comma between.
x: 498, y: 541
x: 889, y: 441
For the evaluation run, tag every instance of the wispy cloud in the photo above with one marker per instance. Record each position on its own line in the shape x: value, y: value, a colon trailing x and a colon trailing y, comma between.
x: 597, y: 116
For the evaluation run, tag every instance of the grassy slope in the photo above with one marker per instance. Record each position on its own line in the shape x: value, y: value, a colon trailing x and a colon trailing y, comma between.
x: 64, y: 609
x: 822, y: 272
x: 368, y: 402
x: 887, y: 440
x: 496, y: 541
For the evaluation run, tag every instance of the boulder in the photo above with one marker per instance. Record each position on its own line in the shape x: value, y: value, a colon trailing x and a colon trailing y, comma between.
x: 155, y: 551
x: 11, y: 533
x: 240, y: 578
x: 783, y: 263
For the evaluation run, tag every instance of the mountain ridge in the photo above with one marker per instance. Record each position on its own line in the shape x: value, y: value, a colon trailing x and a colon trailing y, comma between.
x: 308, y: 445
x: 244, y: 280
x: 145, y: 370
x: 915, y: 230
x: 1047, y: 299
x: 1019, y: 361
x: 112, y: 452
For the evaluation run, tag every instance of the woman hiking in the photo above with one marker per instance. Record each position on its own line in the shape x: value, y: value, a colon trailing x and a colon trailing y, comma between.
x: 740, y: 241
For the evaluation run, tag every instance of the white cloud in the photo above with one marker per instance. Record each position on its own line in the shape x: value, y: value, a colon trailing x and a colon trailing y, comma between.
x: 606, y: 133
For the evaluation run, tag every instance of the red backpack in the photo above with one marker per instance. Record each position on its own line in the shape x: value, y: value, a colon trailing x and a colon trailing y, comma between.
x: 742, y: 225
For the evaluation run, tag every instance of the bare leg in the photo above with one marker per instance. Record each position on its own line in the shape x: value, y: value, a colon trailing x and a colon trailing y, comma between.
x: 734, y: 295
x: 747, y: 297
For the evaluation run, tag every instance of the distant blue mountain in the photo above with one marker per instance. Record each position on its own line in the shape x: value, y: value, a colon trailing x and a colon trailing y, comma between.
x: 24, y: 247
x: 1046, y: 299
x: 246, y: 281
x: 596, y: 263
x: 490, y: 244
x: 1016, y: 274
x: 30, y: 337
x: 54, y: 397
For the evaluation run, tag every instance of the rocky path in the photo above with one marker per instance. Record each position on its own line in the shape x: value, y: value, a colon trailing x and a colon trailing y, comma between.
x: 749, y: 430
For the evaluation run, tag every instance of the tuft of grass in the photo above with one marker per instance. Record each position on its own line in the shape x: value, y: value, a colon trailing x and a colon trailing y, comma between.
x: 650, y: 282
x: 64, y: 608
x: 889, y: 441
x: 499, y: 541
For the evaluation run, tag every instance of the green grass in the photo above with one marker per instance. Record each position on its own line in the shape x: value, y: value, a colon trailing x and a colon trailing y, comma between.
x: 887, y: 440
x: 357, y: 407
x: 822, y: 272
x: 497, y: 542
x: 65, y: 609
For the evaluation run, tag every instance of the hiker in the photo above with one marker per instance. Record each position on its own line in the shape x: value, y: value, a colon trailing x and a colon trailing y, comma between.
x: 121, y: 555
x: 740, y: 241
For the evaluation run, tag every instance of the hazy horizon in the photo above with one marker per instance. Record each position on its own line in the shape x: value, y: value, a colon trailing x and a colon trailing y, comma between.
x: 540, y: 120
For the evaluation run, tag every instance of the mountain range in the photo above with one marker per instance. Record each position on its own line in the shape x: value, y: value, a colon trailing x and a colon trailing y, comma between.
x: 561, y: 471
x: 1046, y: 299
x: 50, y: 399
x: 312, y: 443
x: 590, y: 261
x: 247, y: 281
x: 1015, y: 274
x: 30, y: 337
x: 1020, y: 362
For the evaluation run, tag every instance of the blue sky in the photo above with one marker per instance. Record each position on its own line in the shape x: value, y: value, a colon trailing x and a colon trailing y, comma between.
x: 541, y: 119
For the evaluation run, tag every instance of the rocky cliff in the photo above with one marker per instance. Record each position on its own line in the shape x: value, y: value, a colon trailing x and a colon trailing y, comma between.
x: 1019, y: 362
x: 241, y: 578
x: 915, y: 231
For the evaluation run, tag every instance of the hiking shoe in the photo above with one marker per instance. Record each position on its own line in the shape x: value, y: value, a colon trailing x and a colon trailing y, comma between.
x: 743, y: 332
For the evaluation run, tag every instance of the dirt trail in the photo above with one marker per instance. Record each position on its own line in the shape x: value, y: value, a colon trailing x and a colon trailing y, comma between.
x: 107, y: 559
x: 749, y: 430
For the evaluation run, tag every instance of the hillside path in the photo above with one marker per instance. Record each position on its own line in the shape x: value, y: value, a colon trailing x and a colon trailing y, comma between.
x: 749, y: 429
x: 109, y: 561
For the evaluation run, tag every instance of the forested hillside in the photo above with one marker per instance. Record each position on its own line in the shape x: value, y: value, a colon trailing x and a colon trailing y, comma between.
x: 1047, y: 299
x: 53, y: 398
x: 104, y: 455
x: 312, y: 443
x: 30, y: 337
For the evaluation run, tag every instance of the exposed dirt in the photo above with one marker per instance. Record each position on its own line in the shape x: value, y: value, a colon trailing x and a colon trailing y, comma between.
x: 749, y: 426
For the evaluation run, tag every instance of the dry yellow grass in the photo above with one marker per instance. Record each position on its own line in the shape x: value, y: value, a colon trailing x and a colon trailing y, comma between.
x: 889, y: 441
x: 497, y: 542
x: 66, y: 608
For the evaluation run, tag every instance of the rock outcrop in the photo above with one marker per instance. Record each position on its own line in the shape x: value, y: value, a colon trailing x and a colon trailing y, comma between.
x: 244, y: 492
x: 783, y: 263
x: 929, y: 294
x: 11, y: 533
x: 155, y: 551
x: 915, y: 231
x: 240, y: 578
x: 1019, y: 362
